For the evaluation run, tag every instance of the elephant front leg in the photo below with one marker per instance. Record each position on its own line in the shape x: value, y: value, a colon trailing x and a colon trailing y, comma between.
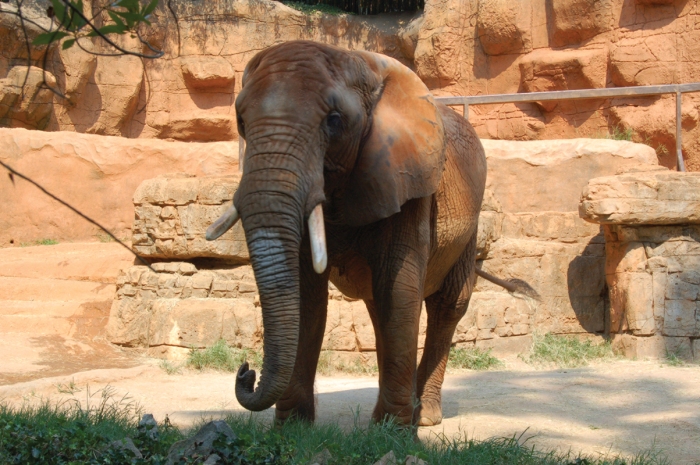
x: 298, y: 399
x: 445, y: 308
x: 399, y: 266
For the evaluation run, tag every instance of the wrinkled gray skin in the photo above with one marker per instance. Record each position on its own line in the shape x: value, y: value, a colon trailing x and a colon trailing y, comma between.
x: 401, y: 181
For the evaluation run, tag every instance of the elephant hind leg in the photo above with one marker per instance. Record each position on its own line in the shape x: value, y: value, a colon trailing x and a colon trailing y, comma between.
x: 445, y: 308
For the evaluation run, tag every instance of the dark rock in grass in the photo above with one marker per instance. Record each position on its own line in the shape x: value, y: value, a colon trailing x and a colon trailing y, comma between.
x: 201, y: 445
x: 148, y: 426
x: 322, y: 458
x: 388, y: 459
x: 128, y: 445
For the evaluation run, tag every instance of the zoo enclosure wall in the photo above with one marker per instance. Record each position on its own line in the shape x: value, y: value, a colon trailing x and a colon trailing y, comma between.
x: 678, y: 89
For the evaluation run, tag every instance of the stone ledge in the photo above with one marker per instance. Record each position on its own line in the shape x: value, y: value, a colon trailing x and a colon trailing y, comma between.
x: 652, y: 198
x: 172, y: 215
x: 180, y: 306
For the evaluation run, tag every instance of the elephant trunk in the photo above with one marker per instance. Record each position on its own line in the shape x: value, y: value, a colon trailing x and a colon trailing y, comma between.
x: 272, y: 208
x: 274, y: 255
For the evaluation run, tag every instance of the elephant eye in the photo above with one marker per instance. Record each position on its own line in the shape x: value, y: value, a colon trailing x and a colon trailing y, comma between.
x: 334, y: 122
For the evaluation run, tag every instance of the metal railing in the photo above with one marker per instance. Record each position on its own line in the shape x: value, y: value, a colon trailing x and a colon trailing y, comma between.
x: 578, y: 94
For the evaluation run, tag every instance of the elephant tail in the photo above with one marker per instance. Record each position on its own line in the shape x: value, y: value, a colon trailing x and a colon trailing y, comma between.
x: 515, y: 286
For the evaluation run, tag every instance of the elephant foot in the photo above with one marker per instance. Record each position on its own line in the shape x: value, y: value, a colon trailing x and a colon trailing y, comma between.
x: 302, y: 411
x: 429, y: 413
x: 399, y: 416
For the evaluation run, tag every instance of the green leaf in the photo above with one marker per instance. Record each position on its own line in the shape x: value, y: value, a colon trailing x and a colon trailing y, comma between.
x: 109, y: 29
x: 149, y: 8
x: 131, y: 5
x: 116, y: 18
x: 48, y: 37
x: 59, y: 9
x: 131, y: 18
x: 77, y: 21
x: 68, y: 44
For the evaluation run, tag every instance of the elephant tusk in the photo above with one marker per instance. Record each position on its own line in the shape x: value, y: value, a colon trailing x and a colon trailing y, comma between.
x: 317, y: 235
x: 223, y: 224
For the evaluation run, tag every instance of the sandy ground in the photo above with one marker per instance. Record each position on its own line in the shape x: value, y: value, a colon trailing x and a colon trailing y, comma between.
x: 54, y: 302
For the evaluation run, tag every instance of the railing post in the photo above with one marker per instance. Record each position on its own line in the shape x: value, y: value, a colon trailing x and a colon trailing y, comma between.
x: 679, y: 135
x: 465, y: 111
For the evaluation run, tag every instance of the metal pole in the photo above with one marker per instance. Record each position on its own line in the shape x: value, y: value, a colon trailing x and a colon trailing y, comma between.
x: 679, y: 135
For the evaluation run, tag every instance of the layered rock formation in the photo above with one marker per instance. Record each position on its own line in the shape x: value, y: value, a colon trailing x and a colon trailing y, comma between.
x: 529, y: 230
x: 652, y: 233
x: 458, y: 47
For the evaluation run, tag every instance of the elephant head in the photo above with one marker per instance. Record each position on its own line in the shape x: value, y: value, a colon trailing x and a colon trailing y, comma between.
x: 354, y: 134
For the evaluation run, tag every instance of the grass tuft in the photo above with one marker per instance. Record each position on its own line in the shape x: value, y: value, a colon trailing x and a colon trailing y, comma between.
x: 566, y: 351
x: 39, y: 242
x: 472, y: 358
x: 222, y: 357
x: 674, y: 358
x: 170, y: 368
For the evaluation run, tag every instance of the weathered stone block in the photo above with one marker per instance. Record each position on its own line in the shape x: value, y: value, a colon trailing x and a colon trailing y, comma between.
x: 554, y: 170
x: 547, y: 70
x: 207, y: 72
x: 187, y: 323
x: 242, y: 324
x: 128, y: 322
x: 643, y: 198
x: 639, y: 347
x: 173, y: 214
x: 503, y: 27
x: 574, y: 21
x: 679, y: 318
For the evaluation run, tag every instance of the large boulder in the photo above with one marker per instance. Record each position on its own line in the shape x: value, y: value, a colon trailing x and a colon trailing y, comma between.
x: 574, y: 21
x: 537, y: 176
x: 504, y: 27
x: 96, y: 174
x: 547, y: 70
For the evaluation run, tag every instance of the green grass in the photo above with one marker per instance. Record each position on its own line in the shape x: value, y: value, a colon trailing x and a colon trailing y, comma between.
x: 69, y: 434
x: 566, y: 351
x: 620, y: 133
x: 170, y: 367
x: 472, y: 358
x: 40, y: 242
x: 674, y: 358
x: 318, y: 8
x: 222, y: 357
x: 78, y: 433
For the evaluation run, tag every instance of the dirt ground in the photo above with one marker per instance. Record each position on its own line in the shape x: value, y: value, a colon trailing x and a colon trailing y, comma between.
x: 53, y: 303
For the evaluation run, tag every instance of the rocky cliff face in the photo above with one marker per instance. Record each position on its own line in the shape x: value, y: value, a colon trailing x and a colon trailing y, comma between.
x: 458, y: 47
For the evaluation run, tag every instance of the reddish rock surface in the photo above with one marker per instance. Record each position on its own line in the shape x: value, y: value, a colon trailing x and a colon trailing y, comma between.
x: 96, y: 174
x: 458, y: 47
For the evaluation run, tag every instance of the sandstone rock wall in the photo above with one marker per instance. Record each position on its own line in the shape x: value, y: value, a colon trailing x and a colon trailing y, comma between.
x: 96, y: 174
x: 528, y: 230
x: 652, y: 235
x: 458, y: 47
x: 493, y: 46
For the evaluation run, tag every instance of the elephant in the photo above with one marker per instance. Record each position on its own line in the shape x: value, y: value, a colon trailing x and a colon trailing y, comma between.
x: 353, y: 173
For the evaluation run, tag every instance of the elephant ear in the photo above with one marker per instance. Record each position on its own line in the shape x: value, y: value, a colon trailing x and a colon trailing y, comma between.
x: 403, y: 155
